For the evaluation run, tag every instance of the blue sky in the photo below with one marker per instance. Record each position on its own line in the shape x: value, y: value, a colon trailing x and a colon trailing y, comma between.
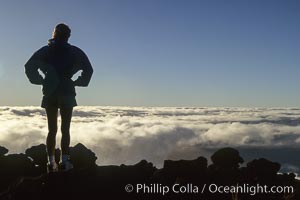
x: 162, y: 53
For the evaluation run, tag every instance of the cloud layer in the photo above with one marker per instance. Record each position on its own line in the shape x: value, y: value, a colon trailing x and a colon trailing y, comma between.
x: 129, y: 134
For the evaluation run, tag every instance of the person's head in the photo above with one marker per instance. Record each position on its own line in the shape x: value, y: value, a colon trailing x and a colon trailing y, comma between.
x: 61, y: 32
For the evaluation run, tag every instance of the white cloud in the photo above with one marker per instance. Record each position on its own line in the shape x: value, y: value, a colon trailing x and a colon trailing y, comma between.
x: 127, y: 134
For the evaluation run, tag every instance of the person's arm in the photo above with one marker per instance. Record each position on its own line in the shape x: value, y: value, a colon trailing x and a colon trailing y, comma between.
x: 83, y: 64
x: 32, y: 66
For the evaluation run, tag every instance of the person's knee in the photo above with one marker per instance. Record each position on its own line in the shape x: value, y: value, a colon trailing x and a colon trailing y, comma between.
x: 52, y: 128
x: 65, y: 129
x: 65, y: 132
x: 52, y: 133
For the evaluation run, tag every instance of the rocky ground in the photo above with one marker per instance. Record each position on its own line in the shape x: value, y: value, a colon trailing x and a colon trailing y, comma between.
x: 24, y: 176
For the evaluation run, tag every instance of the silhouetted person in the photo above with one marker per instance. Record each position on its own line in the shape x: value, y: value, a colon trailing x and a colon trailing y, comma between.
x: 59, y: 61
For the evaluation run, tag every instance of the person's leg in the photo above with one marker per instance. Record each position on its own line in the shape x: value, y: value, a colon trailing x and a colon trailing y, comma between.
x: 52, y: 130
x: 66, y: 116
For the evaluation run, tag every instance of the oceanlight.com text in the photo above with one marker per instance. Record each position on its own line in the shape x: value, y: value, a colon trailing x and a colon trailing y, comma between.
x: 157, y: 188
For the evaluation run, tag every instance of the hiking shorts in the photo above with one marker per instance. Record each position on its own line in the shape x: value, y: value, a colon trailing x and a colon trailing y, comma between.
x: 58, y: 101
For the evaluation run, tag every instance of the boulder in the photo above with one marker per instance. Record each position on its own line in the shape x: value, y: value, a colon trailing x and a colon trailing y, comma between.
x: 227, y: 158
x: 3, y: 151
x: 38, y: 154
x: 263, y: 168
x: 184, y: 170
x: 82, y: 157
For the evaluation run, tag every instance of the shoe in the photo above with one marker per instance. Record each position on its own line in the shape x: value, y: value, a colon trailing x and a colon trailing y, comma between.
x: 52, y: 167
x: 66, y: 166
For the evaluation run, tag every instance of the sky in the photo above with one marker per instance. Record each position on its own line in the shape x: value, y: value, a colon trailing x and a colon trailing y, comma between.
x: 126, y: 135
x: 162, y: 52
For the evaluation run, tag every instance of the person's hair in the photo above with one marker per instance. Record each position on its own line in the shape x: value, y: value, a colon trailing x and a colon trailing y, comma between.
x: 61, y: 32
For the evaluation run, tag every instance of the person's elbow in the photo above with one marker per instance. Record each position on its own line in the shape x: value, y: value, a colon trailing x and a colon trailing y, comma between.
x: 91, y: 71
x: 36, y: 81
x: 89, y: 77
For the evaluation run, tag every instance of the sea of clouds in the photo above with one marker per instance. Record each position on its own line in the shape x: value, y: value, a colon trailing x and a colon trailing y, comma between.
x: 128, y: 134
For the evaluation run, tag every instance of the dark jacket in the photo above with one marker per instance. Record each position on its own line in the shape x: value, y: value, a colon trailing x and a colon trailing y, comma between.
x: 59, y: 61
